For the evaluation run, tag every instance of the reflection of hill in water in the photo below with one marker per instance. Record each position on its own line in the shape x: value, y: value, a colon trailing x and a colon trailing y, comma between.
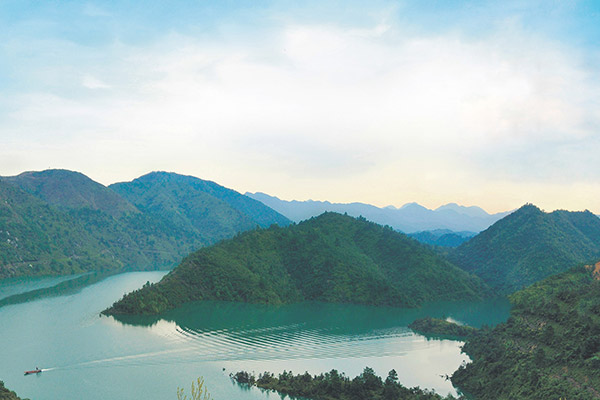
x: 340, y: 318
x: 66, y: 286
x: 213, y: 331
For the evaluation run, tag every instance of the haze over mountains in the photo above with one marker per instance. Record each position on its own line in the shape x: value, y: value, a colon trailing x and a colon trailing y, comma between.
x: 410, y: 218
x: 62, y: 222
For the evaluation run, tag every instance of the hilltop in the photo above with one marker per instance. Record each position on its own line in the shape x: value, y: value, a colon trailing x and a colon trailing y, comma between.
x: 529, y: 245
x: 71, y: 190
x: 332, y: 258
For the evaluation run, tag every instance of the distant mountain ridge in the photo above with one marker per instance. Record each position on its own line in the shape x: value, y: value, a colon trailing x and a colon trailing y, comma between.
x: 332, y: 258
x: 442, y: 237
x: 409, y: 218
x: 62, y: 222
x: 529, y: 245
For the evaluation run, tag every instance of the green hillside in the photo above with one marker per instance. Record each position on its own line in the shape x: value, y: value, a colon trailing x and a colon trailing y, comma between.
x: 529, y: 245
x: 39, y: 239
x: 201, y: 208
x: 548, y: 349
x: 333, y: 258
x: 62, y: 222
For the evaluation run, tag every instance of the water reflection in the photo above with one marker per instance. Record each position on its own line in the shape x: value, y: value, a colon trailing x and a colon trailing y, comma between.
x: 51, y: 287
x: 149, y: 357
x: 221, y: 331
x: 218, y: 315
x: 22, y: 284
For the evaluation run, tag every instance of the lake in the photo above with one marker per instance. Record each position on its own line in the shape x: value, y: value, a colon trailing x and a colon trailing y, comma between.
x: 86, y: 356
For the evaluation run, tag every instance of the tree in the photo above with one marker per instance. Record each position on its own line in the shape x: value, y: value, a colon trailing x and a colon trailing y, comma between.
x: 391, y: 389
x: 199, y: 391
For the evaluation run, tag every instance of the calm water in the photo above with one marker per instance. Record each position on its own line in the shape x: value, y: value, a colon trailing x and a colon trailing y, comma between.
x: 93, y: 357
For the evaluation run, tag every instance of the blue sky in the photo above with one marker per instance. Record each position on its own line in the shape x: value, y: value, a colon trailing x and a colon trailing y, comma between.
x: 487, y: 103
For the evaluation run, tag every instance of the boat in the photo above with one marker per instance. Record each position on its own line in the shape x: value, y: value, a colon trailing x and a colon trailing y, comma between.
x: 35, y: 371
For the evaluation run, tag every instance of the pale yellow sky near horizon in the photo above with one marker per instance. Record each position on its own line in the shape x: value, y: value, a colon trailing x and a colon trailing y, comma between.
x: 371, y: 196
x: 373, y: 104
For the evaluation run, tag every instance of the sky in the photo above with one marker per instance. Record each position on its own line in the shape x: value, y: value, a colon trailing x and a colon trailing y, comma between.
x: 492, y: 104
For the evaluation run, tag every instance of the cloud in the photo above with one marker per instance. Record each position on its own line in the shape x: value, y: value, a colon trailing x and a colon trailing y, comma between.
x: 90, y: 82
x: 334, y: 104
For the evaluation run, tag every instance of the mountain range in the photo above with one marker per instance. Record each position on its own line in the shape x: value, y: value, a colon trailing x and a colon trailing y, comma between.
x: 410, y: 218
x: 62, y: 222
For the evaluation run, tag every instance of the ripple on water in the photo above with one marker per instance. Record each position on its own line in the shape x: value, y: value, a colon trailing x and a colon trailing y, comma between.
x: 291, y: 341
x: 83, y: 352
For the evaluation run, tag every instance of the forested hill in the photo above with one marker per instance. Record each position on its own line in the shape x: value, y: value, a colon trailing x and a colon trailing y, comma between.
x: 548, y: 349
x: 37, y: 238
x: 196, y: 206
x: 333, y: 258
x: 62, y: 222
x: 529, y: 245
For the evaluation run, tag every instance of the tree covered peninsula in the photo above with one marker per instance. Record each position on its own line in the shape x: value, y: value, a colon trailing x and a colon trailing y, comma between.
x: 334, y: 385
x: 332, y: 258
x: 548, y: 349
x: 440, y: 327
